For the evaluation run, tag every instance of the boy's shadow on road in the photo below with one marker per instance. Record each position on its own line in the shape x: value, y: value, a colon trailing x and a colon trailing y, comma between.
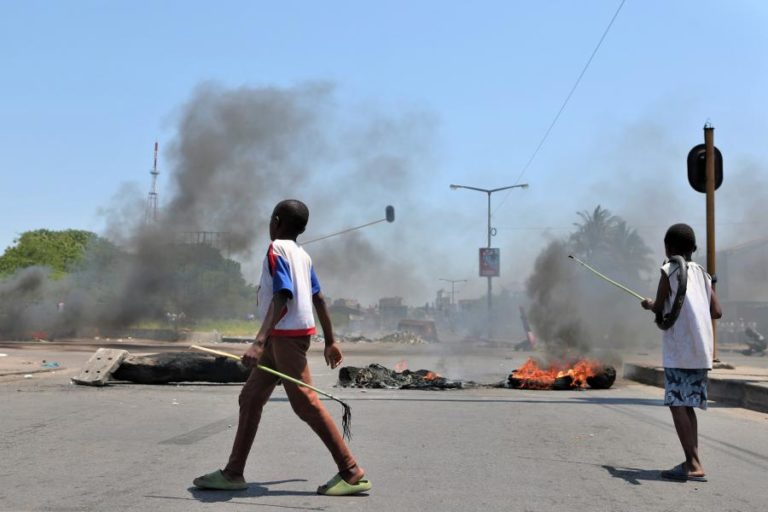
x: 254, y: 490
x: 634, y: 475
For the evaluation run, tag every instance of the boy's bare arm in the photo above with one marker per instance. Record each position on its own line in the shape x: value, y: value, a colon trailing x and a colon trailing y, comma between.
x: 662, y: 292
x: 318, y: 300
x: 715, y: 311
x: 332, y: 352
x: 276, y: 306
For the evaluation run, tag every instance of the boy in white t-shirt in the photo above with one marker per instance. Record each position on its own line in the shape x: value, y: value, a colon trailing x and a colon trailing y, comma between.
x: 687, y: 343
x: 287, y: 293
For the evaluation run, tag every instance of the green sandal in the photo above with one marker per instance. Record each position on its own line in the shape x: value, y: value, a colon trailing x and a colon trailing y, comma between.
x: 218, y: 481
x: 337, y: 486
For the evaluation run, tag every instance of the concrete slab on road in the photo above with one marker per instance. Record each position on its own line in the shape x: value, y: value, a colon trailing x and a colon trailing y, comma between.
x: 136, y: 448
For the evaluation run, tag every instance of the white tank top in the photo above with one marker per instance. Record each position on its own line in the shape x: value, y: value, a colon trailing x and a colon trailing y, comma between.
x: 689, y: 342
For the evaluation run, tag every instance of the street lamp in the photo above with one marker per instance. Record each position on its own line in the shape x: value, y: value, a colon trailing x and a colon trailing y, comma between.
x: 491, y: 231
x: 453, y: 283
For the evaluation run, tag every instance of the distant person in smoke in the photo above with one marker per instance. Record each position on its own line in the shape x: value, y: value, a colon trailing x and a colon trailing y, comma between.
x: 687, y: 345
x: 287, y: 291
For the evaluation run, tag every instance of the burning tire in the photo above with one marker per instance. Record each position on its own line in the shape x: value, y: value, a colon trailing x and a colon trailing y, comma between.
x: 582, y: 373
x: 604, y: 379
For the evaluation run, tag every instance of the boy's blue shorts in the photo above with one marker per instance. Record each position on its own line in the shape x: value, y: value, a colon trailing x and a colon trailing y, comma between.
x: 685, y: 388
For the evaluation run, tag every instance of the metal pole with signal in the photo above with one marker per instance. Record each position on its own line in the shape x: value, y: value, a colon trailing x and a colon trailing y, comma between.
x: 709, y: 141
x: 389, y: 216
x: 705, y: 175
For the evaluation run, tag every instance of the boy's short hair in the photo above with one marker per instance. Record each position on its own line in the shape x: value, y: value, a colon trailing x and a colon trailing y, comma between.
x: 293, y: 213
x: 680, y: 239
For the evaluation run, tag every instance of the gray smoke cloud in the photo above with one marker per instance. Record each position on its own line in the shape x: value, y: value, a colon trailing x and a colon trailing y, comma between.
x: 574, y: 312
x: 19, y: 299
x: 640, y: 175
x: 234, y: 155
x: 652, y: 192
x: 32, y: 305
x: 237, y: 152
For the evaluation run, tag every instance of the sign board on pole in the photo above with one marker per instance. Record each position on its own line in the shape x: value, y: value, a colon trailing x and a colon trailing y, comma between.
x: 489, y: 262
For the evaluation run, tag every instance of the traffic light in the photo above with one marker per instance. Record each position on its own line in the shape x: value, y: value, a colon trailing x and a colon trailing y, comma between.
x: 697, y: 173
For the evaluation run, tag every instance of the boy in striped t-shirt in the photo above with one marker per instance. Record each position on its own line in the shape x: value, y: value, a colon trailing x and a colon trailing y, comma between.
x: 287, y: 293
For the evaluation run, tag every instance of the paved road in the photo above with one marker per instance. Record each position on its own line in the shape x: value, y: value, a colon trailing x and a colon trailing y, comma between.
x: 135, y: 448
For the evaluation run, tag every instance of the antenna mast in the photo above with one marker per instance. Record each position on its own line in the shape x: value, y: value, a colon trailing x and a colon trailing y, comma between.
x: 151, y: 213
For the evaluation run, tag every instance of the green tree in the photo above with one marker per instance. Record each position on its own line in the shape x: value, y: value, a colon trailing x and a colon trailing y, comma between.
x: 57, y: 250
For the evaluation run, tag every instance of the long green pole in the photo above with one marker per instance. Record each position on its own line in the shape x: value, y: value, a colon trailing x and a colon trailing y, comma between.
x: 347, y: 417
x: 268, y: 370
x: 631, y: 292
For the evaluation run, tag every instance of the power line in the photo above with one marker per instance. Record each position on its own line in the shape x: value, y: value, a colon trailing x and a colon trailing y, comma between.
x: 562, y: 107
x: 573, y: 227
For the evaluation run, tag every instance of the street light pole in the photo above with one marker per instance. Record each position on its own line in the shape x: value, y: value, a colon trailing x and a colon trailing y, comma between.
x: 490, y: 292
x: 490, y: 233
x: 453, y: 282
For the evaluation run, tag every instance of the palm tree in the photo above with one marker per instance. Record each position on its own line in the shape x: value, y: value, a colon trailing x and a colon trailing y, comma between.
x: 630, y: 247
x: 593, y: 234
x: 608, y: 242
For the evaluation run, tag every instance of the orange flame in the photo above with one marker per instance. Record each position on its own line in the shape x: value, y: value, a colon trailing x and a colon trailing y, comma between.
x: 532, y: 376
x: 401, y: 366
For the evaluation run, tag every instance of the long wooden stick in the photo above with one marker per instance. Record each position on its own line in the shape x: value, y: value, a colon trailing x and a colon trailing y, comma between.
x: 346, y: 419
x: 631, y: 292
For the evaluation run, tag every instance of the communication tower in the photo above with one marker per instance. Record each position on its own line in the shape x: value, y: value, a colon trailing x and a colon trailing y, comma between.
x: 151, y: 213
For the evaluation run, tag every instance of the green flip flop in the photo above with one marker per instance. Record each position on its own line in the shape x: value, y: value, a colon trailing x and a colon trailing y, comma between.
x: 337, y: 486
x: 218, y: 481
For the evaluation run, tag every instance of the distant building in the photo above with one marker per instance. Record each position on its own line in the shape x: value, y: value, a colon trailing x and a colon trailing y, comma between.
x: 348, y: 307
x: 742, y: 284
x: 443, y: 301
x: 471, y: 305
x: 742, y: 272
x: 423, y: 328
x: 391, y: 310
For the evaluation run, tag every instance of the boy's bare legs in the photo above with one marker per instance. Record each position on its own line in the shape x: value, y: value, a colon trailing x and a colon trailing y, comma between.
x: 290, y: 358
x: 254, y: 395
x: 687, y: 429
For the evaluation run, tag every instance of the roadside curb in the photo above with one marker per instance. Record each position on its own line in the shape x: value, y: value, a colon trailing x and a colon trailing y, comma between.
x: 739, y: 393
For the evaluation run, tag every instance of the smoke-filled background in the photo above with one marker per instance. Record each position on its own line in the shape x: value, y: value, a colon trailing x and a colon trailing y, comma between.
x: 235, y: 152
x: 351, y: 108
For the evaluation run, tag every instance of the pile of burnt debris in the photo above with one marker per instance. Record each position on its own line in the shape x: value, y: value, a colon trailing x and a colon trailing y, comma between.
x: 118, y: 365
x: 381, y: 377
x: 180, y: 367
x: 108, y: 365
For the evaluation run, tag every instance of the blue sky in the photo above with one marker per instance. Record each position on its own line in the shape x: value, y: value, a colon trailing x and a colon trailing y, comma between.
x: 89, y: 86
